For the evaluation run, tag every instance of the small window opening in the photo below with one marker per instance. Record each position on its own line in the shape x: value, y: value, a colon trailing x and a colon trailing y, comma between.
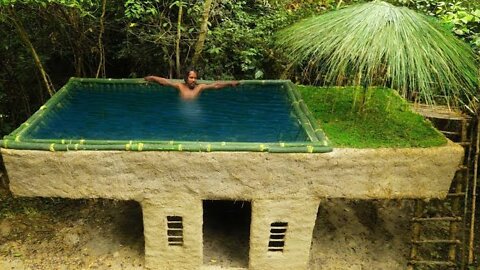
x: 175, y: 230
x: 278, y: 231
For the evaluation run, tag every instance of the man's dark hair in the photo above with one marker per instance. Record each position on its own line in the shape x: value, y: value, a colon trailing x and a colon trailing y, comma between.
x: 187, y: 72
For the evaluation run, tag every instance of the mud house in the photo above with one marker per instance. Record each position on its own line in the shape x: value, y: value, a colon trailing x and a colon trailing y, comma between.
x: 280, y: 184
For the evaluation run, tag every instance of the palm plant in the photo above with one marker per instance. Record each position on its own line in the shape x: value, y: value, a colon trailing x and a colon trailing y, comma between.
x: 376, y: 43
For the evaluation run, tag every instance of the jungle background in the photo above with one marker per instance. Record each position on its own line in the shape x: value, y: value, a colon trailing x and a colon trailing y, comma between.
x: 45, y: 42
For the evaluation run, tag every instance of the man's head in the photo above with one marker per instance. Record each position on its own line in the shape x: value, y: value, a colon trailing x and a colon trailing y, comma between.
x: 191, y: 78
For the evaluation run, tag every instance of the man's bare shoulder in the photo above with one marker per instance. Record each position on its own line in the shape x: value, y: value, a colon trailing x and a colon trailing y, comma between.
x: 201, y: 86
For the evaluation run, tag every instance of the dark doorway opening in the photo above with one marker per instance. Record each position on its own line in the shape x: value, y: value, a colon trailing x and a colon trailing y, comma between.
x: 226, y: 233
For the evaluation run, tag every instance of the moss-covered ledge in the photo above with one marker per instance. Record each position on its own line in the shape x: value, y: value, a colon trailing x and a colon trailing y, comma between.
x: 385, y: 120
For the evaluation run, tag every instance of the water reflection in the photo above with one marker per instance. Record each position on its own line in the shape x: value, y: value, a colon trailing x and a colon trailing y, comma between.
x: 191, y: 111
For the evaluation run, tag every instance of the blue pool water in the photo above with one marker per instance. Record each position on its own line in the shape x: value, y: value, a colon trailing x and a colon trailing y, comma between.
x: 151, y: 112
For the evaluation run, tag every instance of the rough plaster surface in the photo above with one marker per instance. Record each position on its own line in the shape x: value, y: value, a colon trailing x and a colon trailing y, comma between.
x: 300, y: 216
x: 343, y: 173
x: 158, y: 254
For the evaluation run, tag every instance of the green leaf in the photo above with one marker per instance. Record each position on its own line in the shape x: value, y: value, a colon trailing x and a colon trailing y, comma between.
x: 476, y: 41
x: 459, y: 32
x: 258, y: 74
x: 476, y: 13
x: 467, y: 18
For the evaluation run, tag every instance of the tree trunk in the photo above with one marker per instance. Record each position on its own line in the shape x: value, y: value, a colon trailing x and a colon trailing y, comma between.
x: 203, y: 31
x: 101, y: 49
x: 72, y: 22
x: 177, y: 41
x: 27, y: 43
x: 77, y: 41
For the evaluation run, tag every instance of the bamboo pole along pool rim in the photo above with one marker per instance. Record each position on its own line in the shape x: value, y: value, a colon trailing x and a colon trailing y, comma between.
x: 318, y: 142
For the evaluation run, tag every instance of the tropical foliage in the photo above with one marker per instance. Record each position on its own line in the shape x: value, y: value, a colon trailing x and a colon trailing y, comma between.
x: 461, y: 17
x: 380, y: 44
x: 44, y: 42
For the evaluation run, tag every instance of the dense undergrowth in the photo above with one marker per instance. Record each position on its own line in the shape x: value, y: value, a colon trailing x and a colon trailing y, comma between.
x: 385, y: 120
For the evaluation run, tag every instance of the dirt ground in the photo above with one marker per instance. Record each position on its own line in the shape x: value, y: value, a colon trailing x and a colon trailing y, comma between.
x: 44, y: 233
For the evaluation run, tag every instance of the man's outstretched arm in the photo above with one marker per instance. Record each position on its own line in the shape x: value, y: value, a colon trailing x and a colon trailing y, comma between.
x: 161, y: 81
x: 219, y: 85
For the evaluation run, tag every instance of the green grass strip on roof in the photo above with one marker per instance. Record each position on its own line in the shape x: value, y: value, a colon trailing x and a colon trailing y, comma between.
x: 387, y: 120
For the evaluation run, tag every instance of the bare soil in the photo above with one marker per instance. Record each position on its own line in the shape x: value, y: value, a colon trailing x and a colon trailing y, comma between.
x: 43, y: 233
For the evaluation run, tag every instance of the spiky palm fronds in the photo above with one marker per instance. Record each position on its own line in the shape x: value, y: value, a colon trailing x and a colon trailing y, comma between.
x: 378, y: 43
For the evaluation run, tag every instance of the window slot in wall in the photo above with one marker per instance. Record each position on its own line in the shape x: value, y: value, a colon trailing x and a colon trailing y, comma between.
x: 175, y: 230
x: 278, y: 231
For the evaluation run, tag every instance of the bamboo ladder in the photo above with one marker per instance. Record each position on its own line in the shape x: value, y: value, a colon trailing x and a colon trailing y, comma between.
x: 450, y: 214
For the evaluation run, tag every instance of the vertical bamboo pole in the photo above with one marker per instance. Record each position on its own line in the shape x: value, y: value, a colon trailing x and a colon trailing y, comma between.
x: 468, y: 146
x: 459, y: 179
x: 416, y: 231
x: 474, y: 195
x: 463, y: 132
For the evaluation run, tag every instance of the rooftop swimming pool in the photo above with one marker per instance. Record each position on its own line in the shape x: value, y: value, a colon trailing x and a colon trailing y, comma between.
x: 129, y: 114
x: 256, y: 143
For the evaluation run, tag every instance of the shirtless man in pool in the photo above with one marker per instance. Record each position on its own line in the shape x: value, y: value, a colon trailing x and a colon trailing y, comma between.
x: 190, y: 89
